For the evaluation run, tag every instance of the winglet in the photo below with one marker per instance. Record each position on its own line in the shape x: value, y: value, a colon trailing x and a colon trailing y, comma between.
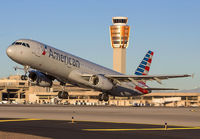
x: 160, y: 88
x: 193, y: 76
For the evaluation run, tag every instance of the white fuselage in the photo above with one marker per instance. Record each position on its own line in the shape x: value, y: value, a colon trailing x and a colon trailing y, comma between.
x: 63, y: 66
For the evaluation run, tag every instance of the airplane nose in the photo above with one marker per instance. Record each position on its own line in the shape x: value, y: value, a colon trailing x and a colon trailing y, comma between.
x: 10, y: 51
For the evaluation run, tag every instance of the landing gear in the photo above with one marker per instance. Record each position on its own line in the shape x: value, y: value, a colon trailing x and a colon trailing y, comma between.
x: 100, y: 97
x: 63, y: 95
x: 25, y: 69
x: 104, y: 97
x: 24, y: 77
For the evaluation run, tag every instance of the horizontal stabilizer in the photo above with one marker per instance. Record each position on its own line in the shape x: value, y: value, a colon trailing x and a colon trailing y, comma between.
x: 160, y: 88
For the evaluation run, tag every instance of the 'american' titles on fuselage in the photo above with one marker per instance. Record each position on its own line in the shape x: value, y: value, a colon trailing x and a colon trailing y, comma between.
x: 63, y: 58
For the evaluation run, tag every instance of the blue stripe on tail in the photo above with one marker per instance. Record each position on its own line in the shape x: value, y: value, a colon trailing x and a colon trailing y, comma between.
x: 143, y: 68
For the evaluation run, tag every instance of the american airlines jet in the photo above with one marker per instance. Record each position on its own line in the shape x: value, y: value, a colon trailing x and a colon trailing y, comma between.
x: 50, y: 63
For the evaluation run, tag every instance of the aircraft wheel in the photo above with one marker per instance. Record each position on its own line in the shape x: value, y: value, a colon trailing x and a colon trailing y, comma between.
x: 24, y: 77
x: 60, y: 94
x: 100, y: 97
x: 63, y: 95
x: 105, y: 97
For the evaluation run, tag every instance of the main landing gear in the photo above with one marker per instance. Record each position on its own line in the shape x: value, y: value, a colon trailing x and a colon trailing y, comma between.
x: 63, y: 94
x: 103, y: 96
x: 25, y: 69
x: 24, y: 77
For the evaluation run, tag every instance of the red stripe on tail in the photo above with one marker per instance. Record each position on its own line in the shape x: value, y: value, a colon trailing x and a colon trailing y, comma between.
x: 149, y: 60
x: 147, y: 68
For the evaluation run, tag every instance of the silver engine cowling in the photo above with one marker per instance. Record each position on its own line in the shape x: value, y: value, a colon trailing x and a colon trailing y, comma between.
x: 40, y: 79
x: 100, y: 82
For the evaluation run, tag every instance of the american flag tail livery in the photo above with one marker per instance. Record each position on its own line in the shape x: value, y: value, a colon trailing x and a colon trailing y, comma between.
x: 144, y: 67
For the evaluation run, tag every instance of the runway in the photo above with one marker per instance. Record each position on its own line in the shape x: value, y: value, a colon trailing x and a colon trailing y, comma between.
x: 47, y: 121
x: 43, y: 129
x: 145, y: 115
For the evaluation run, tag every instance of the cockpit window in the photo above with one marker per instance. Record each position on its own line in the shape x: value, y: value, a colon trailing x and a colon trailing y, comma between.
x: 18, y: 43
x: 27, y: 45
x: 21, y: 43
x: 24, y: 44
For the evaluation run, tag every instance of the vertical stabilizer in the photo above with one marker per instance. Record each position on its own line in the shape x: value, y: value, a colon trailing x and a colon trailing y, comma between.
x: 144, y: 67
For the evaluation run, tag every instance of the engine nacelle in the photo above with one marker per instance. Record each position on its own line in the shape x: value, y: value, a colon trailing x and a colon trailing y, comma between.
x: 100, y: 82
x: 40, y: 79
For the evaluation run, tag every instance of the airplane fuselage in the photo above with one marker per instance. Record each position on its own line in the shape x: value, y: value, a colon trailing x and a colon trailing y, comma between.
x: 65, y: 67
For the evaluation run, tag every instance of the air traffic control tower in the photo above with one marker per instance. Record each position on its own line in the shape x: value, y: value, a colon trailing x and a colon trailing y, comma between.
x: 119, y: 36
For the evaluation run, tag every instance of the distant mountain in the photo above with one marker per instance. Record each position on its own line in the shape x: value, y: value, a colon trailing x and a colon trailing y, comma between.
x: 196, y: 90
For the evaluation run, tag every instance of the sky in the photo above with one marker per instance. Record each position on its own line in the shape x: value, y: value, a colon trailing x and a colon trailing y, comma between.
x: 170, y: 28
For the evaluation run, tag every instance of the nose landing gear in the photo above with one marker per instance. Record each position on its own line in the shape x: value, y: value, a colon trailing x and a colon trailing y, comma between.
x: 103, y: 96
x: 63, y: 94
x: 25, y: 69
x: 24, y: 77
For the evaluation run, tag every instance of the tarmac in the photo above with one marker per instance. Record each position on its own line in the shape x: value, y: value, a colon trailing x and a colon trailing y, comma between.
x: 40, y: 121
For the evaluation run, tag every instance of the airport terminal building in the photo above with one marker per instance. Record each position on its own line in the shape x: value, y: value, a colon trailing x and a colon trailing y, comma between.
x: 15, y: 90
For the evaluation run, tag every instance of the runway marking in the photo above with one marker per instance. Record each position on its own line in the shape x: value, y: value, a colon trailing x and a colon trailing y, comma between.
x: 141, y: 129
x: 130, y: 123
x: 16, y: 120
x: 193, y: 110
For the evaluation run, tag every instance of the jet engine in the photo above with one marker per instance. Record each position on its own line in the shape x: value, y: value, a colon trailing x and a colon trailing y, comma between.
x: 100, y: 82
x: 40, y: 79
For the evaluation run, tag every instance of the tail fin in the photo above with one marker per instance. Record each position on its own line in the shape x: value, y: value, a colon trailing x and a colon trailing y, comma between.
x: 144, y: 67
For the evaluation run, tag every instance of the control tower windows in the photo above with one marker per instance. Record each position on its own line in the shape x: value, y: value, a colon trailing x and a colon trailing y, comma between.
x: 118, y: 38
x: 116, y: 42
x: 115, y: 38
x: 119, y: 20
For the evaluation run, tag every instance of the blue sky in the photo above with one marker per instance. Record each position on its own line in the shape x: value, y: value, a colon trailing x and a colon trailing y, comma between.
x: 170, y: 28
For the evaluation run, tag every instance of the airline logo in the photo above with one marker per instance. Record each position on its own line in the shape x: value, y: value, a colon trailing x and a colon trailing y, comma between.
x: 68, y: 60
x: 44, y: 50
x: 144, y: 67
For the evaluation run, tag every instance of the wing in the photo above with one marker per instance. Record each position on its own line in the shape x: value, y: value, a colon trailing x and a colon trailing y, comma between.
x: 146, y: 77
x: 133, y: 78
x: 149, y: 88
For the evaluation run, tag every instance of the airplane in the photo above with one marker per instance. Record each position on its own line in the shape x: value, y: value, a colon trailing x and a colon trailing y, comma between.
x: 44, y: 64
